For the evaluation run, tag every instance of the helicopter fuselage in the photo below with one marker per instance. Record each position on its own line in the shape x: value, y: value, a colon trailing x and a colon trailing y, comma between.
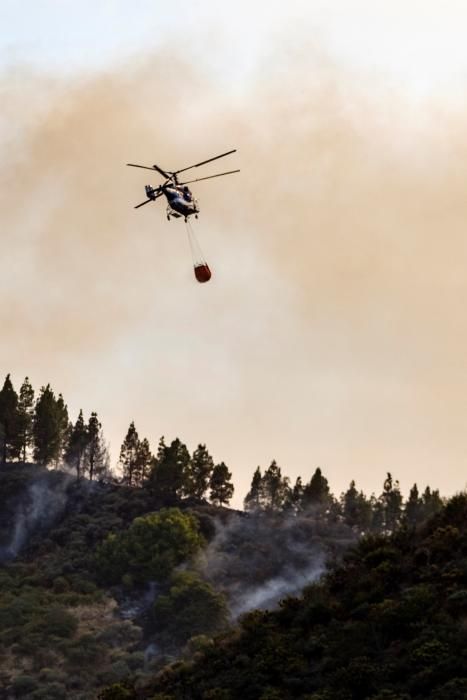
x: 180, y: 201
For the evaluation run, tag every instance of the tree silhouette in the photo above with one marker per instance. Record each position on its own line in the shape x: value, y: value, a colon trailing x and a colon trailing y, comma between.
x: 169, y: 474
x: 95, y: 455
x: 144, y: 460
x: 25, y: 418
x: 50, y: 426
x: 356, y: 508
x: 129, y: 456
x: 220, y: 484
x: 77, y: 443
x: 199, y: 473
x: 8, y: 420
x: 414, y: 507
x: 274, y: 488
x: 392, y: 503
x: 252, y: 500
x: 316, y: 492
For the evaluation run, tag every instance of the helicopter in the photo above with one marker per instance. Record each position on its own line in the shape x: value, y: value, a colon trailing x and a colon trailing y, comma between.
x: 180, y: 200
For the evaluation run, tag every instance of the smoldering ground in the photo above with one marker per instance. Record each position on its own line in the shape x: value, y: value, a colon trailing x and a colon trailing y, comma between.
x: 259, y: 559
x: 32, y: 510
x: 336, y: 309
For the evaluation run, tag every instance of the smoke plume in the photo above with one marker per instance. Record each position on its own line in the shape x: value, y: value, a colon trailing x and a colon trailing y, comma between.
x: 42, y: 503
x: 259, y: 559
x: 333, y: 331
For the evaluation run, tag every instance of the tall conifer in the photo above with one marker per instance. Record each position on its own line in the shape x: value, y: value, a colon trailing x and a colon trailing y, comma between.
x: 129, y: 456
x: 220, y: 484
x: 8, y: 420
x: 199, y: 473
x: 168, y: 478
x: 96, y: 453
x: 252, y: 500
x: 77, y: 443
x: 50, y: 427
x: 25, y: 419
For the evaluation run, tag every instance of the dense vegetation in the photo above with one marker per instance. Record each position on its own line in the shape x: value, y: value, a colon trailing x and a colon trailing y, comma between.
x: 120, y: 574
x: 390, y: 623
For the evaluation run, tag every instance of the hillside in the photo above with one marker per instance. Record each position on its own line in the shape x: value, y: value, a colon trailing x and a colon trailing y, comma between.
x: 100, y: 583
x: 389, y: 623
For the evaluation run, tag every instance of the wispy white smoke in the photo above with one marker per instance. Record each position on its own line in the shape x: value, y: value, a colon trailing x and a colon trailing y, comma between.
x: 258, y: 560
x: 42, y: 503
x: 269, y: 594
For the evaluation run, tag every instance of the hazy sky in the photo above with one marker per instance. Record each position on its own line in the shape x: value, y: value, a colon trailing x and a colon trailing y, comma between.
x: 334, y: 330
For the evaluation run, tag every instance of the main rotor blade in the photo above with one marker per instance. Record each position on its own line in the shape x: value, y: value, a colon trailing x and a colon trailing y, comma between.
x: 204, y: 162
x: 146, y: 167
x: 162, y: 172
x: 229, y: 172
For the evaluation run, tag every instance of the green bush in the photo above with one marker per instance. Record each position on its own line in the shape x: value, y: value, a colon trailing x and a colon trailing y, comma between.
x: 135, y: 660
x: 56, y: 622
x: 191, y: 607
x: 49, y: 691
x: 60, y: 585
x: 120, y: 634
x: 83, y: 585
x: 116, y: 674
x: 84, y: 650
x: 23, y: 685
x: 52, y: 675
x: 117, y: 691
x: 150, y: 549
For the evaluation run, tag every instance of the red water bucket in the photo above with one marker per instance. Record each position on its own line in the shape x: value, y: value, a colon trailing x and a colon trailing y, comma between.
x: 202, y: 272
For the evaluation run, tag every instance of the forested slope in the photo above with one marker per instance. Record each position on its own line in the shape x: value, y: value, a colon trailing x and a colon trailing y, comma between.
x: 109, y: 576
x: 101, y: 582
x: 390, y: 623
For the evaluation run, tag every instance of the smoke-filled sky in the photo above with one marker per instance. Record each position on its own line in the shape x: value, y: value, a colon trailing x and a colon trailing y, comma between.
x: 334, y: 330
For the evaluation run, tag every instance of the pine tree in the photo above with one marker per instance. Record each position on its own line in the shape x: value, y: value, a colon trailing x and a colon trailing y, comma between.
x: 221, y: 487
x: 349, y: 505
x: 252, y: 500
x: 8, y: 420
x: 129, y: 456
x: 49, y: 427
x: 414, y: 507
x: 169, y: 475
x: 76, y: 447
x: 392, y: 503
x: 144, y: 461
x: 377, y: 514
x: 316, y: 492
x: 25, y: 418
x: 356, y: 509
x: 295, y: 496
x: 274, y: 488
x: 199, y: 473
x: 96, y: 456
x: 64, y: 426
x: 432, y: 502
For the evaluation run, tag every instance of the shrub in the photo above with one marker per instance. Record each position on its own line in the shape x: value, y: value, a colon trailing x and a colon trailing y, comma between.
x: 191, y: 607
x: 117, y: 691
x: 49, y: 691
x: 135, y: 660
x: 60, y: 585
x: 52, y: 675
x: 120, y: 634
x: 56, y: 622
x: 84, y: 650
x: 150, y: 549
x: 116, y: 674
x: 22, y: 685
